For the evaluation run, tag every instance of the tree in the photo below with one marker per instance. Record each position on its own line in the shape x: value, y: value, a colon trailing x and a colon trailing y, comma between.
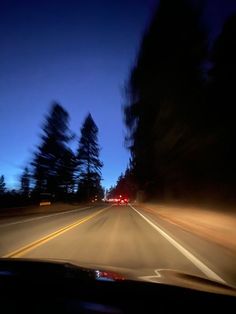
x: 2, y: 185
x: 89, y: 164
x: 66, y: 171
x: 221, y: 103
x: 53, y: 163
x: 164, y: 96
x: 25, y: 182
x: 125, y: 186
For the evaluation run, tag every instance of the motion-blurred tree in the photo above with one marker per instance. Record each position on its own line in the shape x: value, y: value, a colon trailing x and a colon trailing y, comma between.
x: 89, y: 164
x: 53, y: 163
x: 66, y: 171
x: 164, y: 102
x: 2, y: 185
x: 25, y: 182
x: 125, y: 186
x: 222, y: 103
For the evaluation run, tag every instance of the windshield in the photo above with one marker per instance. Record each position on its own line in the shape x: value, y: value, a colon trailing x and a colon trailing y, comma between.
x: 118, y: 134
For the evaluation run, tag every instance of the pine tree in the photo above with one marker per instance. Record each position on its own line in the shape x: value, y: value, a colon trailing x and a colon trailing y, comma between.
x: 89, y: 164
x: 25, y: 182
x: 221, y: 106
x: 53, y: 163
x: 125, y: 186
x: 164, y: 94
x: 2, y: 185
x: 66, y: 172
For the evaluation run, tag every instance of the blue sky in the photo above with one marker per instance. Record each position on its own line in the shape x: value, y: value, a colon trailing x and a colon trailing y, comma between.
x: 78, y: 53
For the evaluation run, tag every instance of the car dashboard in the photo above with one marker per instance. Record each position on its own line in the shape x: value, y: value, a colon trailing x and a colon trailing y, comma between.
x: 42, y: 287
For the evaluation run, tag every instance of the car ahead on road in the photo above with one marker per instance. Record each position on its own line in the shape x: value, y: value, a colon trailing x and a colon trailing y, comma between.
x: 43, y: 286
x: 123, y: 201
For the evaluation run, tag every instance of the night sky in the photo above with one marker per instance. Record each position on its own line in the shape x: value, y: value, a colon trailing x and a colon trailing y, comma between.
x: 78, y: 53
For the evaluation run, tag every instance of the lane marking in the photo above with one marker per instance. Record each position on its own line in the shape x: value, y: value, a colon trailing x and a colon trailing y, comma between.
x: 25, y: 249
x: 42, y: 217
x: 200, y: 265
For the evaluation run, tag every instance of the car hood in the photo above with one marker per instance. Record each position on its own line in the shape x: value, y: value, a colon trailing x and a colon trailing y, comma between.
x: 110, y: 273
x: 163, y: 276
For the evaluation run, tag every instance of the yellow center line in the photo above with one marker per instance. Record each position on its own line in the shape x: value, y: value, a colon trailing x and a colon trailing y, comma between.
x: 25, y: 249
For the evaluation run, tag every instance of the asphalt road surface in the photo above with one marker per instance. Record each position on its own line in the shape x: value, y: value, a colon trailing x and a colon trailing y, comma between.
x: 119, y: 236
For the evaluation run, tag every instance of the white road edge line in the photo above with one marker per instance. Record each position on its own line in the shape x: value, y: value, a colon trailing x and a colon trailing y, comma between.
x: 41, y: 217
x: 200, y: 265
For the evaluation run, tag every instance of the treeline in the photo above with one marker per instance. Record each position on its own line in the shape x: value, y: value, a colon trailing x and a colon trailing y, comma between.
x: 125, y: 186
x: 180, y: 108
x: 56, y: 173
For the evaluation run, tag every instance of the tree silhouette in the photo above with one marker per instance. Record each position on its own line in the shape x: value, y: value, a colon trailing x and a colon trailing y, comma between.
x: 89, y: 164
x: 164, y: 101
x: 2, y: 185
x: 221, y: 102
x: 25, y: 182
x: 53, y: 163
x: 125, y: 186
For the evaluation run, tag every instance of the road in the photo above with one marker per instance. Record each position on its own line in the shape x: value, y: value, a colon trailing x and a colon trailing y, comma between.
x: 120, y: 236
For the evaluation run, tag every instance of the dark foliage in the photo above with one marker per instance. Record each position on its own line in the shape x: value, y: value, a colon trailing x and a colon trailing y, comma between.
x: 54, y: 163
x: 89, y: 164
x: 2, y: 185
x: 125, y: 186
x: 25, y: 182
x: 165, y: 100
x: 221, y: 105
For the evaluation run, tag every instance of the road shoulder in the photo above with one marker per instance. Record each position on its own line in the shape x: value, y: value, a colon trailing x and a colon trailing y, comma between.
x: 216, y: 226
